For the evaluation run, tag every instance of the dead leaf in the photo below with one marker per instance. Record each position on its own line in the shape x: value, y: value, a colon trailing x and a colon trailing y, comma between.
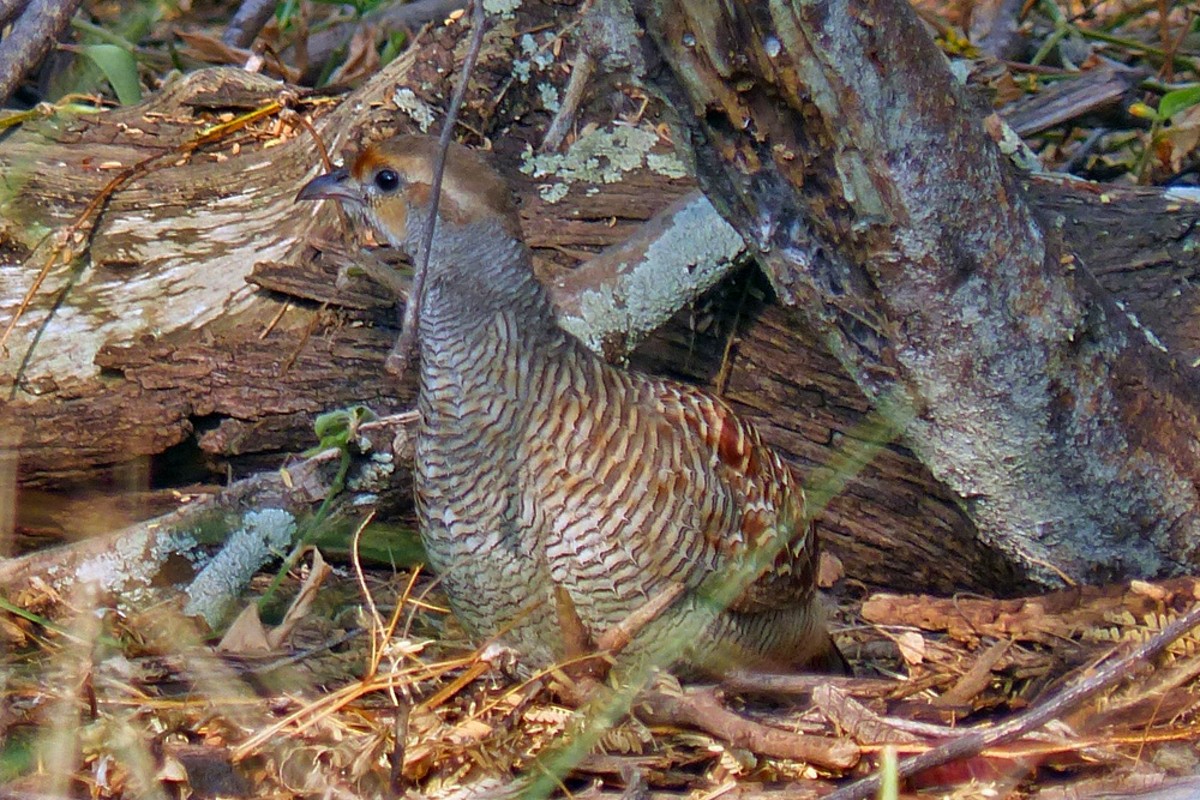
x: 211, y: 49
x: 1181, y: 138
x: 246, y: 636
x: 362, y: 58
x: 829, y: 570
x: 317, y: 574
x: 912, y: 647
x: 976, y: 679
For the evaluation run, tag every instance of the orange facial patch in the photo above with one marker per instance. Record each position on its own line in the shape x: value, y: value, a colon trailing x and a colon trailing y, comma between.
x: 471, y: 191
x: 367, y: 163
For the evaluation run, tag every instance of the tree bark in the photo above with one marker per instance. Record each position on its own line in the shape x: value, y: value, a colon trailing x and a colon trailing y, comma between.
x: 155, y: 342
x: 834, y: 139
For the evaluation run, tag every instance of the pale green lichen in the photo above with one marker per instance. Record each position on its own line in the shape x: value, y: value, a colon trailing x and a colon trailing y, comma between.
x: 264, y: 533
x: 502, y: 8
x: 667, y: 164
x: 1018, y: 152
x: 417, y: 109
x: 601, y: 156
x: 553, y: 192
x: 129, y: 565
x: 691, y: 255
x: 373, y: 476
x: 537, y: 58
x: 549, y: 96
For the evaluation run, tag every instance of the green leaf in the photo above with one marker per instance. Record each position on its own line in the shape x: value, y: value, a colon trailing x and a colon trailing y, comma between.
x: 1179, y: 100
x: 119, y: 67
x: 336, y: 428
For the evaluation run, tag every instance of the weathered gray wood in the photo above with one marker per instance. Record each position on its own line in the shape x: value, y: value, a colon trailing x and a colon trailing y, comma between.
x: 835, y: 140
x: 142, y: 362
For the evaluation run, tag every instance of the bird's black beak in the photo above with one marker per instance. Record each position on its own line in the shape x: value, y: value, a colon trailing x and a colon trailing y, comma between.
x: 331, y: 186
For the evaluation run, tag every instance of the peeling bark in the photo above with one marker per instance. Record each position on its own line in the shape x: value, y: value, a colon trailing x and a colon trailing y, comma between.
x: 833, y: 137
x: 175, y: 351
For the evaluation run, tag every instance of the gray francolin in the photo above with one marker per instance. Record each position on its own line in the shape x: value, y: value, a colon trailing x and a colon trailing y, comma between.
x: 546, y: 476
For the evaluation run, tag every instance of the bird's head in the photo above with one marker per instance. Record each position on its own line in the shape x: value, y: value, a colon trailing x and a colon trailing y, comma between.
x: 390, y: 185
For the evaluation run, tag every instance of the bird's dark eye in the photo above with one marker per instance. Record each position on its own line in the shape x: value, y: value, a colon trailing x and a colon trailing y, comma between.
x: 387, y: 180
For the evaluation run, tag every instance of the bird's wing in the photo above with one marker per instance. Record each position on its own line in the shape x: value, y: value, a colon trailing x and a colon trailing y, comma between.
x: 760, y: 525
x: 636, y: 485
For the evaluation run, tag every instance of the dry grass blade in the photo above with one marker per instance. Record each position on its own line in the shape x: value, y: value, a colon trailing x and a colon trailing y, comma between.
x: 336, y: 700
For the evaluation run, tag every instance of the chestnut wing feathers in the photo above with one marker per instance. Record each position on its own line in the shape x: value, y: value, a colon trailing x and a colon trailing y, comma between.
x: 767, y: 514
x: 636, y: 483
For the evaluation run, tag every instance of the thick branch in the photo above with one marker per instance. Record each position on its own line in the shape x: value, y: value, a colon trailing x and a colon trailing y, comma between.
x: 834, y: 139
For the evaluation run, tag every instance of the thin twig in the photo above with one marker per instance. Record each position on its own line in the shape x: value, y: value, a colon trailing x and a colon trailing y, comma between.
x: 306, y: 123
x: 396, y: 779
x: 581, y: 71
x: 250, y: 18
x: 973, y: 743
x: 773, y: 683
x: 412, y: 310
x: 377, y: 640
x: 700, y: 708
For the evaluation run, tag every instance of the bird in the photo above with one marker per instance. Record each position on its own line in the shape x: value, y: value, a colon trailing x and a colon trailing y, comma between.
x: 558, y: 494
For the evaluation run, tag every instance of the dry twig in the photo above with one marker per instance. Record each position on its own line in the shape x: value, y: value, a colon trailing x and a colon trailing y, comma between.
x: 975, y: 741
x: 250, y: 18
x: 400, y: 356
x: 700, y: 708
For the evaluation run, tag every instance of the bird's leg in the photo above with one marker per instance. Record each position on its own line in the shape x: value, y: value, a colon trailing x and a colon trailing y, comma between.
x: 590, y: 660
x: 666, y: 702
x: 585, y: 665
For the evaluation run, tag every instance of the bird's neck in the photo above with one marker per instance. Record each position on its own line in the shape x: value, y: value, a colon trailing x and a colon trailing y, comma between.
x: 479, y: 272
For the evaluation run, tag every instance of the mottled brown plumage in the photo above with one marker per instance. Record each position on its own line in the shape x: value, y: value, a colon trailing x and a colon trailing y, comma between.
x: 546, y: 476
